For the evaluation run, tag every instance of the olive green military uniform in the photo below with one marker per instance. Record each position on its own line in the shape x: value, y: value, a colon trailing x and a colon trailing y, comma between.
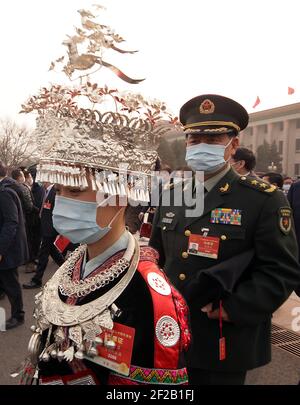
x: 266, y: 228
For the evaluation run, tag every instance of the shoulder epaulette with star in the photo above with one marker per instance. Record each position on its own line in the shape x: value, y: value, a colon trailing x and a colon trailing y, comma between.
x: 257, y: 184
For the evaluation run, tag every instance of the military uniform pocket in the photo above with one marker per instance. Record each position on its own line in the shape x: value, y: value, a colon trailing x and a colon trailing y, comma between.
x: 229, y: 234
x: 167, y: 224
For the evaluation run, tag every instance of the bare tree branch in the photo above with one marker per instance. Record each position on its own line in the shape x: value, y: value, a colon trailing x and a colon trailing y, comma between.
x: 16, y: 144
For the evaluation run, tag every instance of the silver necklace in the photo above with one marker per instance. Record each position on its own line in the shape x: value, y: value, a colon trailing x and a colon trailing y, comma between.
x: 81, y: 288
x: 61, y: 314
x: 84, y: 322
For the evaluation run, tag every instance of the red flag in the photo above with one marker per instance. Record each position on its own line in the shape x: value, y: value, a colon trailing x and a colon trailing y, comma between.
x: 291, y: 90
x: 256, y: 102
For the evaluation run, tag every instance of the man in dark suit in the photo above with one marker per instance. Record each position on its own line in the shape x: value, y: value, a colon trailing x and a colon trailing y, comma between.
x: 13, y: 247
x: 49, y: 235
x: 245, y: 236
x: 38, y: 193
x: 243, y: 162
x: 294, y: 199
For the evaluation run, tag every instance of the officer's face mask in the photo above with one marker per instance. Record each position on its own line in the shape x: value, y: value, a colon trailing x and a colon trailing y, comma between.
x: 206, y: 157
x: 286, y: 187
x: 76, y: 220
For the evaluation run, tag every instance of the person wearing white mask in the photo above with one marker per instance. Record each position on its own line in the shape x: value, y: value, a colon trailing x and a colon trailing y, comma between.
x: 287, y: 182
x: 245, y: 265
x: 109, y: 315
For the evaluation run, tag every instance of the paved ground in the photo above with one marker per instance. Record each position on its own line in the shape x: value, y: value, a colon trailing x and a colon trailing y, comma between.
x: 13, y: 343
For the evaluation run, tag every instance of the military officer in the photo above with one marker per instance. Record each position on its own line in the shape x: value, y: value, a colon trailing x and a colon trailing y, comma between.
x: 245, y: 238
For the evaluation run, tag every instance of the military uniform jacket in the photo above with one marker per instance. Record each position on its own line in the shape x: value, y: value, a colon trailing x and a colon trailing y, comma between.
x: 267, y: 280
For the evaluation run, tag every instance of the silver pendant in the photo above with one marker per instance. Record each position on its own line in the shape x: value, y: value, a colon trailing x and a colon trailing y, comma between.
x: 69, y: 353
x: 110, y: 344
x: 158, y: 284
x: 75, y: 334
x: 167, y: 331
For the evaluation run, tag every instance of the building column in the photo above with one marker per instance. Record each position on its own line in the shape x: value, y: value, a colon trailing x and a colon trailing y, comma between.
x: 270, y: 133
x: 285, y: 149
x: 254, y: 139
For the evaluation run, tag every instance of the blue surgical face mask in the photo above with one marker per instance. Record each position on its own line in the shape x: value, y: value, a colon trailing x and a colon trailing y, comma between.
x: 76, y: 220
x: 206, y: 157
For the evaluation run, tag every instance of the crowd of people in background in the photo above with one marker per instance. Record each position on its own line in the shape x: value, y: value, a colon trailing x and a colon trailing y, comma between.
x: 27, y: 234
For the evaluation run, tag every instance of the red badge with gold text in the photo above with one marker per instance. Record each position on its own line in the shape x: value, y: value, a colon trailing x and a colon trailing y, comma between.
x: 205, y: 246
x: 119, y: 357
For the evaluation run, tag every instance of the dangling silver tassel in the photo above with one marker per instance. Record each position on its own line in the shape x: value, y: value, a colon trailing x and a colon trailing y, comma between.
x: 92, y: 178
x: 105, y: 187
x: 99, y: 186
x: 147, y: 195
x: 138, y: 195
x: 110, y: 191
x: 134, y: 195
x: 113, y: 188
x: 59, y: 178
x: 83, y: 178
x: 123, y: 191
x: 63, y: 178
x: 72, y: 180
x: 142, y: 196
x: 98, y: 182
x: 128, y: 192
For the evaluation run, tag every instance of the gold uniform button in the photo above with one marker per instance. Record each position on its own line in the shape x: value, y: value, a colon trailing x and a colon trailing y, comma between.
x: 187, y: 233
x: 185, y: 255
x: 164, y: 228
x: 243, y: 178
x: 223, y: 237
x: 182, y: 276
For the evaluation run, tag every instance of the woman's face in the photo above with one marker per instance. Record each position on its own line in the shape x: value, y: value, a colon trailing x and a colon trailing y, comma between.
x: 104, y: 214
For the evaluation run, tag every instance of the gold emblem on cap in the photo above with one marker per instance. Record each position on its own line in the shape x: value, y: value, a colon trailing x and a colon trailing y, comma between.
x: 207, y: 107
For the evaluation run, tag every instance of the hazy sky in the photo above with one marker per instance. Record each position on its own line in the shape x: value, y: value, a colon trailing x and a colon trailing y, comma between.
x: 237, y: 48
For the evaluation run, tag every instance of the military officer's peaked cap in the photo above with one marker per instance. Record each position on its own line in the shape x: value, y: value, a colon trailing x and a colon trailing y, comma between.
x: 213, y: 114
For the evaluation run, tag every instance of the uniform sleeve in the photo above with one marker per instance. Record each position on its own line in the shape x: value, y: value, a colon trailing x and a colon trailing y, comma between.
x: 290, y: 195
x: 156, y: 238
x: 275, y: 273
x: 10, y: 222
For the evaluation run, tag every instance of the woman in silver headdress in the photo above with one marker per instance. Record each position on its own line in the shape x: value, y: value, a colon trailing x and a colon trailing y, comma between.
x: 108, y: 315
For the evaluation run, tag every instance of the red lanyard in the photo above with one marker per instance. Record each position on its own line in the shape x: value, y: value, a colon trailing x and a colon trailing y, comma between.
x: 222, y: 345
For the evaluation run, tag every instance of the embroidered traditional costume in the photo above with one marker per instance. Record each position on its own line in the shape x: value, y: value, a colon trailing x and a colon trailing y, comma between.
x: 124, y: 323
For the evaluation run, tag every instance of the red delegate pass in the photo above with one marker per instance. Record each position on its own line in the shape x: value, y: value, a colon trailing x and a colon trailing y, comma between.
x: 205, y: 246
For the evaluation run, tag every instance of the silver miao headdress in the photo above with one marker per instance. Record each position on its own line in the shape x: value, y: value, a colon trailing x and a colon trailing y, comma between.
x: 115, y: 148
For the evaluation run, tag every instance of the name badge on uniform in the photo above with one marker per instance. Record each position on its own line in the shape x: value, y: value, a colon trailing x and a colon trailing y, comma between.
x: 205, y: 246
x: 227, y: 216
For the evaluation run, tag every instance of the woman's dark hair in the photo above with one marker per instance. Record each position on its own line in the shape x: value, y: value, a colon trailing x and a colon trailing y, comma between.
x: 16, y: 173
x: 3, y: 170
